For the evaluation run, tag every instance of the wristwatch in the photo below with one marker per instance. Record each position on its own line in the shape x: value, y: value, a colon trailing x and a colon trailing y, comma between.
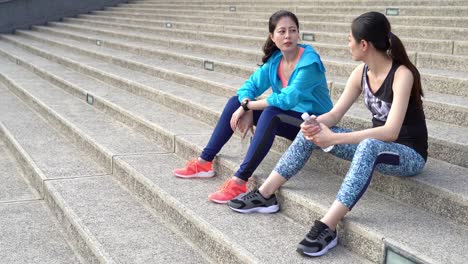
x: 244, y: 104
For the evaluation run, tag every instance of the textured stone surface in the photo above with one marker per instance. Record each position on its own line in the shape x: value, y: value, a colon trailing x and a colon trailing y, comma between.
x: 30, y: 235
x: 443, y: 62
x: 461, y: 48
x: 379, y: 217
x: 358, y: 238
x: 55, y: 155
x: 330, y: 50
x: 245, y: 231
x: 335, y: 67
x: 151, y: 79
x: 444, y: 46
x: 115, y: 137
x: 209, y: 99
x: 14, y: 186
x: 119, y: 225
x: 335, y: 26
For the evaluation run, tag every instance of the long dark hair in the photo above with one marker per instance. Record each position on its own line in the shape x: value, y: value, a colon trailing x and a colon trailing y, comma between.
x: 270, y: 47
x: 374, y: 27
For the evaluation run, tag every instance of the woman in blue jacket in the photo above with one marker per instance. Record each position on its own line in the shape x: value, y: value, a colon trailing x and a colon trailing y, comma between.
x: 297, y: 78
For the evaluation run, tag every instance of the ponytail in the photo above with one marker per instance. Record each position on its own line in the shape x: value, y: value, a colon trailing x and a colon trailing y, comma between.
x: 374, y: 27
x: 398, y: 53
x: 268, y: 49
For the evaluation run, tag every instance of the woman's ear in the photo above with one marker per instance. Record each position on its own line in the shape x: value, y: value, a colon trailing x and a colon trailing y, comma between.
x: 271, y: 37
x: 364, y: 45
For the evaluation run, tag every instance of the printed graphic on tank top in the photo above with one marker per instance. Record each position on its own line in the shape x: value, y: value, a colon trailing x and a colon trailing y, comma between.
x: 379, y: 103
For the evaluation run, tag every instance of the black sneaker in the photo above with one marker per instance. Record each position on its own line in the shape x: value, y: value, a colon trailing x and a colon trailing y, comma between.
x: 318, y: 241
x: 254, y: 202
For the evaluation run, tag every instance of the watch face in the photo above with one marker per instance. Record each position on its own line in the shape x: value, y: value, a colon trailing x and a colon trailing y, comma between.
x: 244, y: 104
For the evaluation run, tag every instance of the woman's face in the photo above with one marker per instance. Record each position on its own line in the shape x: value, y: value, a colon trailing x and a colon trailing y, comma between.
x: 354, y: 48
x: 286, y: 34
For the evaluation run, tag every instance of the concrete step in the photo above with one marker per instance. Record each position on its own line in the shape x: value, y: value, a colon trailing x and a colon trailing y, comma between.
x: 28, y: 230
x: 35, y: 136
x: 215, y: 82
x: 189, y: 201
x: 31, y: 235
x: 136, y: 92
x: 426, y: 32
x: 422, y: 45
x: 456, y: 63
x: 436, y: 61
x: 456, y: 11
x: 203, y: 143
x: 15, y: 187
x: 447, y: 108
x: 142, y: 114
x: 261, y: 18
x: 442, y: 81
x: 116, y: 225
x: 460, y: 48
x: 105, y: 223
x: 79, y: 202
x: 320, y: 2
x: 212, y: 81
x: 363, y: 231
x: 52, y: 102
x: 147, y: 106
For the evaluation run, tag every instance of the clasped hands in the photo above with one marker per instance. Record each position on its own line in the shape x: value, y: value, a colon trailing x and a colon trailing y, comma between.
x: 320, y: 135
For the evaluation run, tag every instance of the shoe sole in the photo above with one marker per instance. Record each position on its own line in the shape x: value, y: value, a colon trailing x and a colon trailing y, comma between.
x: 321, y: 252
x: 219, y: 201
x: 207, y: 174
x: 263, y: 210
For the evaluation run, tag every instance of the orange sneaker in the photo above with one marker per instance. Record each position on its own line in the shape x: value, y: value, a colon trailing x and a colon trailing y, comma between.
x: 228, y: 191
x: 195, y: 169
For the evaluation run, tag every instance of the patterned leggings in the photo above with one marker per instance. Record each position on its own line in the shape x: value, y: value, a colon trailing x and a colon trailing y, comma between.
x: 366, y: 156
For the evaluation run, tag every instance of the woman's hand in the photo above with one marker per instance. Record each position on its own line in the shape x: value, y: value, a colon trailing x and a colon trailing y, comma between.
x: 242, y: 120
x: 309, y: 130
x: 324, y: 138
x: 235, y: 118
x: 245, y: 123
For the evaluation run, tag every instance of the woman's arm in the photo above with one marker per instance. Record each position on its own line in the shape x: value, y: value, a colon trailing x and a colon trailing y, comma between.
x: 256, y: 84
x: 258, y: 105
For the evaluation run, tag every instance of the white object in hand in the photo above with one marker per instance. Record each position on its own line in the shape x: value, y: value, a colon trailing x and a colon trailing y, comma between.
x: 312, y: 121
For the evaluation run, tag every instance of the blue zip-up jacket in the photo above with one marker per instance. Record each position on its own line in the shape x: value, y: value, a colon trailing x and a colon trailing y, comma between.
x: 307, y: 89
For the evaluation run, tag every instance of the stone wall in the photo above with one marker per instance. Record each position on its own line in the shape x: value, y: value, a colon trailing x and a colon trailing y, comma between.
x: 21, y: 14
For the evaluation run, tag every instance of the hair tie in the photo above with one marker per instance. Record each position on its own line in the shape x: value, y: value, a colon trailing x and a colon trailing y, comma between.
x: 389, y: 35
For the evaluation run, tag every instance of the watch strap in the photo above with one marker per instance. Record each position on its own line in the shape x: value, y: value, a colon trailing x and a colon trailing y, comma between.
x: 244, y: 105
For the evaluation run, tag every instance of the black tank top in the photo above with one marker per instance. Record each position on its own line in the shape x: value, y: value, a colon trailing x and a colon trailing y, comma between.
x: 413, y: 132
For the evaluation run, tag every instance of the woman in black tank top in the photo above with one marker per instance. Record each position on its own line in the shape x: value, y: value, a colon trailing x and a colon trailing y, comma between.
x: 395, y: 145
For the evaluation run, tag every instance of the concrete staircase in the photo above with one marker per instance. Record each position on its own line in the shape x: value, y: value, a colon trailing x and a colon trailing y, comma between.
x: 96, y: 111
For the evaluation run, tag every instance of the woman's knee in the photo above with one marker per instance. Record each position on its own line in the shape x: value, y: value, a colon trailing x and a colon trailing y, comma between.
x: 233, y: 100
x: 368, y: 145
x: 271, y: 109
x: 369, y: 142
x: 270, y: 112
x: 269, y: 117
x: 232, y: 105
